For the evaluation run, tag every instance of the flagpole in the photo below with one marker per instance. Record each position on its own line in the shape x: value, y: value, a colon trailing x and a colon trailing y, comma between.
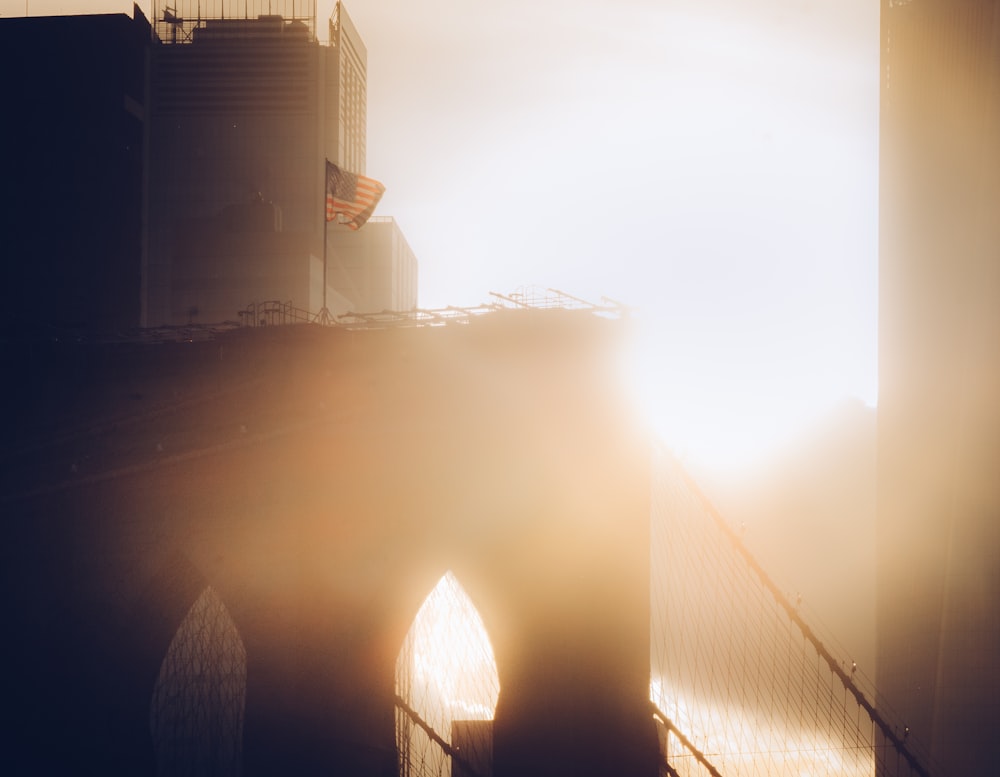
x: 324, y: 314
x: 326, y: 228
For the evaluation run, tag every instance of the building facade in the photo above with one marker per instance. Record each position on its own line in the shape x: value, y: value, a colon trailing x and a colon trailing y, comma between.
x: 374, y: 268
x: 245, y: 113
x: 938, y: 628
x: 73, y: 191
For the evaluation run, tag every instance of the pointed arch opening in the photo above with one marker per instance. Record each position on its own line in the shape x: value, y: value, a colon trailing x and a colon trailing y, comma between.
x: 447, y: 688
x: 196, y: 712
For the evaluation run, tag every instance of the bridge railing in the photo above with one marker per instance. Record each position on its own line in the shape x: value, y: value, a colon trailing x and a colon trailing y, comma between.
x: 274, y: 312
x: 278, y: 313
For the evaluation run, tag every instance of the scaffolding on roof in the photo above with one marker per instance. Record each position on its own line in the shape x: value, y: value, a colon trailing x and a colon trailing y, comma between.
x: 180, y: 21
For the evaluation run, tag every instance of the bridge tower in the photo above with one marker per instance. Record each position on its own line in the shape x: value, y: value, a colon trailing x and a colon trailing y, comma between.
x: 319, y: 482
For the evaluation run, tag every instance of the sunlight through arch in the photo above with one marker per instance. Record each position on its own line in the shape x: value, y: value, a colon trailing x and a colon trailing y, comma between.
x: 446, y: 679
x: 197, y: 708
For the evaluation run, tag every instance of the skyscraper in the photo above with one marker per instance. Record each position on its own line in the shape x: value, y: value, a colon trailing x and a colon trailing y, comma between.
x: 74, y: 134
x: 938, y: 604
x: 246, y: 110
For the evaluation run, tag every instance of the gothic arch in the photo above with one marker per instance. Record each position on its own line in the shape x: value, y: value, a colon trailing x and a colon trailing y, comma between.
x: 198, y: 702
x: 141, y: 643
x: 446, y: 679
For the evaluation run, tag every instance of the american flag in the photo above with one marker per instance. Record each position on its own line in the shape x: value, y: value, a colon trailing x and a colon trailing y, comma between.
x: 350, y: 198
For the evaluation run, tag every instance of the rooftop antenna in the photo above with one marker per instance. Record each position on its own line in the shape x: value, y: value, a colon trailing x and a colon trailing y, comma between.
x: 171, y: 18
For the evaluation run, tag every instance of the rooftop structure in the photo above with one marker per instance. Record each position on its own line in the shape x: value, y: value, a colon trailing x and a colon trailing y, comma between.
x: 184, y: 21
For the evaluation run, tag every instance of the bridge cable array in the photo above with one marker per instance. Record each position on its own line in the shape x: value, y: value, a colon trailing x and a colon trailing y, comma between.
x: 742, y: 684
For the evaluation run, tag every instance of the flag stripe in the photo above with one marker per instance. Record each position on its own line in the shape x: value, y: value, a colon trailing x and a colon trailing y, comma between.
x: 350, y: 198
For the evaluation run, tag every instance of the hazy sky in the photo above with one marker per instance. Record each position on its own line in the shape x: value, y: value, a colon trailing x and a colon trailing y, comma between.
x: 711, y: 162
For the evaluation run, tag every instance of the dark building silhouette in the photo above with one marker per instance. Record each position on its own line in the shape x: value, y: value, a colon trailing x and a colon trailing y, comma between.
x: 939, y: 377
x: 174, y: 173
x: 73, y: 191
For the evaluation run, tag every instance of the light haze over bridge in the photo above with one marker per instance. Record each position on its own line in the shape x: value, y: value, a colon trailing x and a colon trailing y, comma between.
x: 217, y: 546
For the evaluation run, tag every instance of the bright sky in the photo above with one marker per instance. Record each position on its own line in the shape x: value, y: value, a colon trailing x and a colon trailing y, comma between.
x: 711, y: 162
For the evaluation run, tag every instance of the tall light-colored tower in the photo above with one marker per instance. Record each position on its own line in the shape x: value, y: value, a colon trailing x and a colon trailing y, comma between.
x: 347, y: 95
x: 939, y: 377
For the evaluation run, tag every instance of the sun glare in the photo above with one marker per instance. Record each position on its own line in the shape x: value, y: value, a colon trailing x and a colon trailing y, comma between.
x: 721, y: 419
x: 445, y: 672
x: 740, y: 741
x: 451, y: 653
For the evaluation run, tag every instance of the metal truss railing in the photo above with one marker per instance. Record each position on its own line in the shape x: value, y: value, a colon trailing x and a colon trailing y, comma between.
x: 540, y: 298
x: 278, y: 313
